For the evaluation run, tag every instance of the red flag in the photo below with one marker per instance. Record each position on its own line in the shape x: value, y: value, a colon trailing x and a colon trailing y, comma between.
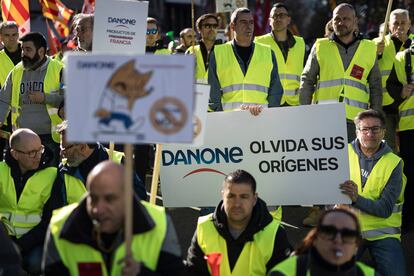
x: 261, y: 17
x: 18, y: 11
x: 52, y: 41
x: 55, y: 10
x: 88, y: 6
x: 258, y: 19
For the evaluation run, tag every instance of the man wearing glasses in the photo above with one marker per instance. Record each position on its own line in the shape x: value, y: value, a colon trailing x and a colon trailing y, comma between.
x: 376, y: 189
x: 243, y: 74
x: 289, y: 50
x: 153, y: 38
x: 207, y: 25
x: 26, y: 195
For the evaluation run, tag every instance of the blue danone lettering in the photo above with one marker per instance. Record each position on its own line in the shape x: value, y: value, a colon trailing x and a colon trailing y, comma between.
x: 125, y: 21
x: 202, y: 156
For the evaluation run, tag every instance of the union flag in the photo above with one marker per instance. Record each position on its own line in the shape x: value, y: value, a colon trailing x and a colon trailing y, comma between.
x: 18, y: 11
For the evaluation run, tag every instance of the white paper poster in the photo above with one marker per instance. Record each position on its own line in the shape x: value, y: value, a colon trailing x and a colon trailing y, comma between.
x: 120, y: 26
x: 130, y: 98
x: 298, y: 156
x: 229, y: 5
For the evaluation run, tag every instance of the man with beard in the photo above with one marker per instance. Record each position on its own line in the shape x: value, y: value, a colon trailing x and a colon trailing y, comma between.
x: 83, y: 31
x: 289, y: 50
x: 9, y: 57
x: 32, y: 93
x: 239, y: 62
x: 207, y: 25
x: 241, y: 230
x: 187, y: 36
x: 341, y: 68
x: 77, y: 161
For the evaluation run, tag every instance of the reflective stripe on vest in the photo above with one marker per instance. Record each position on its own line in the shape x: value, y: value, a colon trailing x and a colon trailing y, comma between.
x: 406, y: 108
x: 289, y: 267
x: 146, y: 247
x: 252, y: 259
x: 26, y: 213
x: 238, y: 88
x: 351, y: 84
x: 372, y: 227
x: 51, y: 83
x: 289, y: 70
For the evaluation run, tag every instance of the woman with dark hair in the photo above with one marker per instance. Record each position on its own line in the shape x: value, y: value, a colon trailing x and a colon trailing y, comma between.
x: 328, y: 249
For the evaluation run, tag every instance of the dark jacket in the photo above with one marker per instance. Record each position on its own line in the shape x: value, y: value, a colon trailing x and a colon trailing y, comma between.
x: 36, y: 235
x: 259, y: 220
x: 81, y: 172
x: 78, y: 229
x: 10, y: 260
x: 318, y: 266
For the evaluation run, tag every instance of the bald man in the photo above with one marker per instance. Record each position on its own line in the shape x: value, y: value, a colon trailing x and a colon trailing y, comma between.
x: 26, y: 195
x: 88, y: 237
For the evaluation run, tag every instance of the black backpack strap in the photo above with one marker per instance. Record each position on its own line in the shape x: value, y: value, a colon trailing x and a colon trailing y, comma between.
x: 408, y: 67
x: 302, y: 265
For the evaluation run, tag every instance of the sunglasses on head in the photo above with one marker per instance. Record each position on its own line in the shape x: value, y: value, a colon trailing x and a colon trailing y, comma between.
x: 329, y: 232
x: 152, y: 31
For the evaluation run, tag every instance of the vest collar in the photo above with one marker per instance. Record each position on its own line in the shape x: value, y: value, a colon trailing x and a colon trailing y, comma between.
x: 78, y: 226
x: 259, y: 220
x: 291, y: 41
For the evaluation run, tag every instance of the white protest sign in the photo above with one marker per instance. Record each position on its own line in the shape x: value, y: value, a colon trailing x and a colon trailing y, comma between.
x: 120, y: 26
x: 130, y: 98
x: 202, y: 93
x: 229, y: 5
x: 298, y: 156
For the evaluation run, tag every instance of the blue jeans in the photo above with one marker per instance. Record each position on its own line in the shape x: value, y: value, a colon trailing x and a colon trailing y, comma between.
x: 387, y: 255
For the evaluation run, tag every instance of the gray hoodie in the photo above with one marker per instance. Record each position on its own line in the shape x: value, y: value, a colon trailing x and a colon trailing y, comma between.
x: 33, y: 116
x: 383, y: 206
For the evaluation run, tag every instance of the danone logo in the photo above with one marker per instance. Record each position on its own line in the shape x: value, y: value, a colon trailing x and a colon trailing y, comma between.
x: 205, y: 156
x: 122, y: 21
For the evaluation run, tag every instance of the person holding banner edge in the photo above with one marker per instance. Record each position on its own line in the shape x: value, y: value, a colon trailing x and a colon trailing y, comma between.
x: 241, y: 230
x: 376, y: 189
x: 86, y: 238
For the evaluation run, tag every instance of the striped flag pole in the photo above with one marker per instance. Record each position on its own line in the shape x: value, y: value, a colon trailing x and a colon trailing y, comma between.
x: 18, y: 11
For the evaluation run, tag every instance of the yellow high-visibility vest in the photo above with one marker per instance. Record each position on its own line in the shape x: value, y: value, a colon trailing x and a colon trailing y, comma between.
x: 26, y: 213
x: 6, y: 65
x: 201, y: 74
x: 51, y: 83
x: 254, y: 256
x: 372, y: 227
x: 289, y: 70
x: 351, y: 84
x: 75, y: 188
x: 238, y: 88
x: 146, y: 247
x: 385, y: 64
x: 289, y: 267
x: 406, y: 108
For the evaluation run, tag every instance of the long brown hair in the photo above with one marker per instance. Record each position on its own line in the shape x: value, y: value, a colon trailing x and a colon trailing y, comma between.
x: 307, y: 242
